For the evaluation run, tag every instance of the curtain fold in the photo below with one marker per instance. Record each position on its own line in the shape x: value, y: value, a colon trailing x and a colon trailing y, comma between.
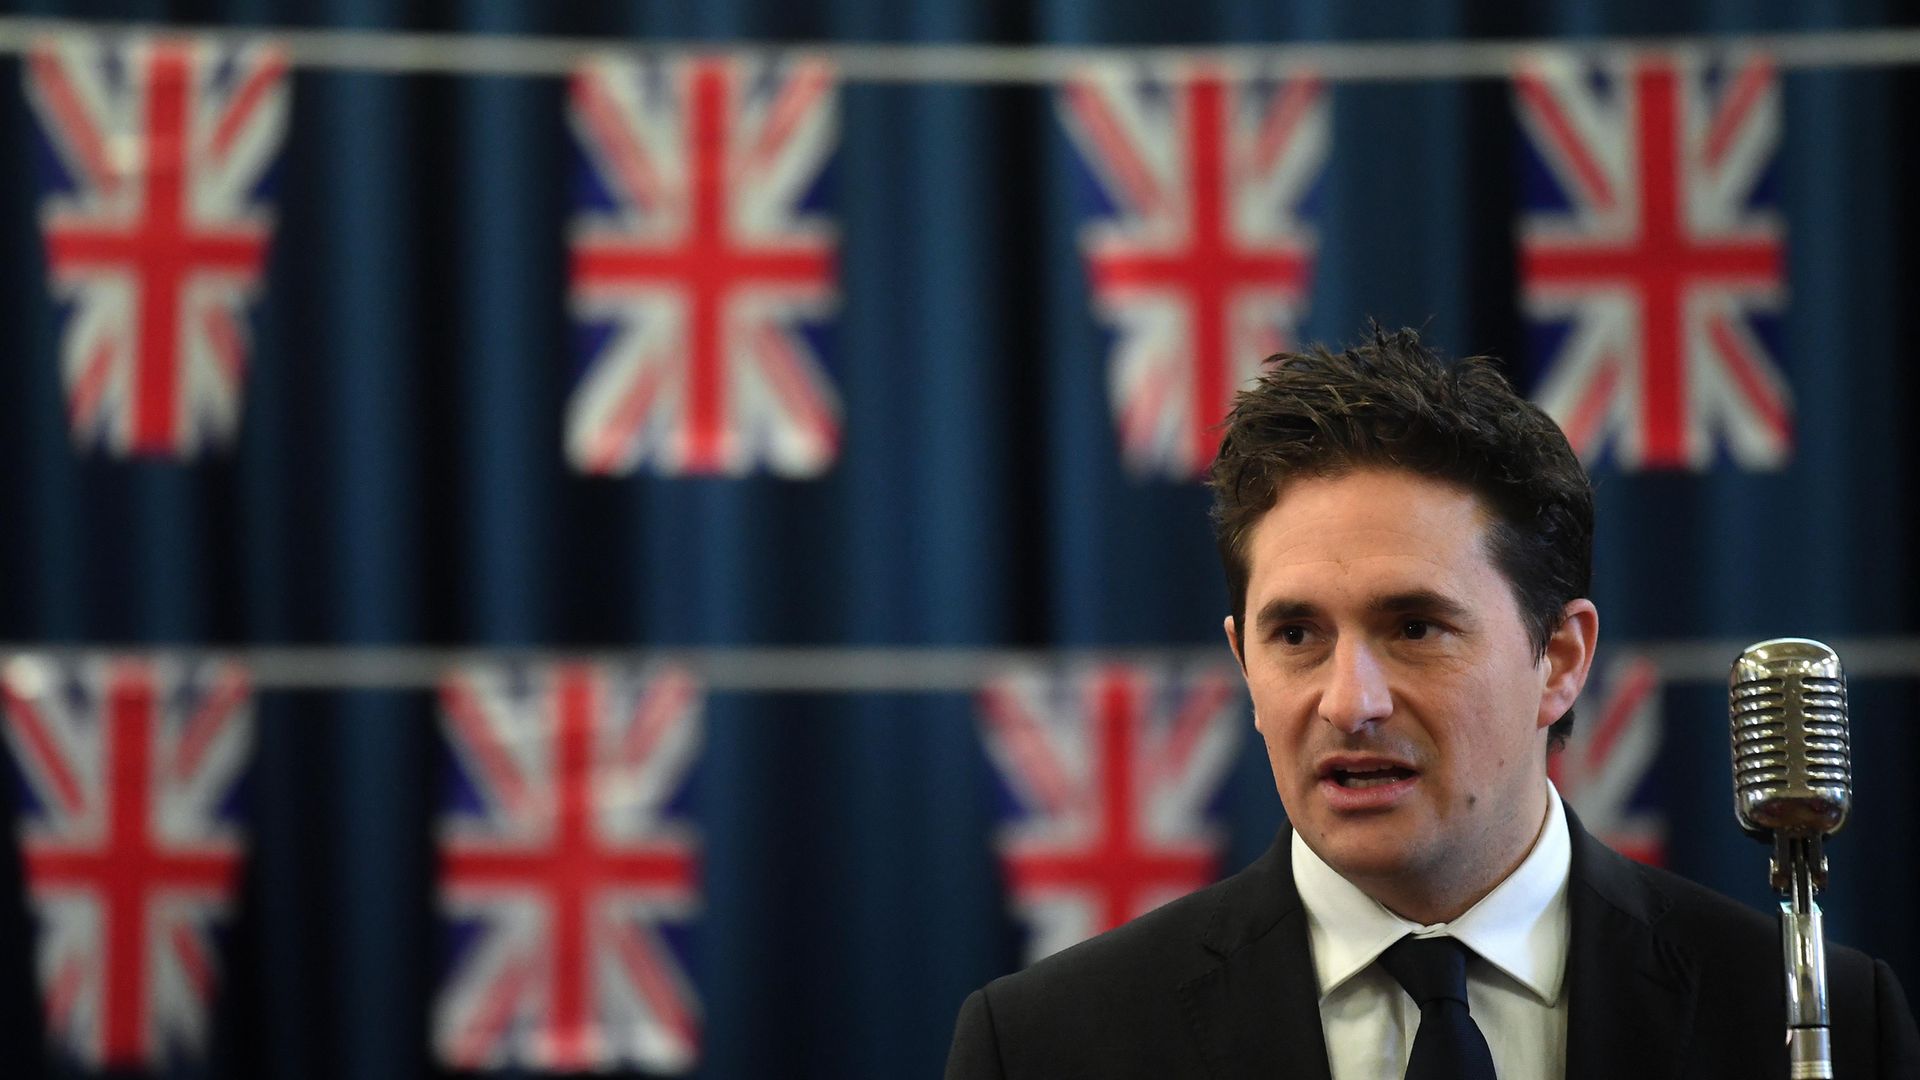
x: 400, y: 479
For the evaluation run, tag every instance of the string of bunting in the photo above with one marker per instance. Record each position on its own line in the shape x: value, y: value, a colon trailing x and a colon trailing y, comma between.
x: 568, y: 868
x: 703, y: 247
x: 527, y: 55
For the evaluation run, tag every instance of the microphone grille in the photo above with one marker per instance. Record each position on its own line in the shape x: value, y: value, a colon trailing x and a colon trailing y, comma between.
x: 1792, y: 765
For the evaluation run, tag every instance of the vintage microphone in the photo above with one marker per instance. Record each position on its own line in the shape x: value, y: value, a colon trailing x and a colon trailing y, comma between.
x: 1792, y: 785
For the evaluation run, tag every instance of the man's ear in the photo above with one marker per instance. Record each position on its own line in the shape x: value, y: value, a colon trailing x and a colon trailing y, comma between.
x: 1568, y: 658
x: 1233, y: 643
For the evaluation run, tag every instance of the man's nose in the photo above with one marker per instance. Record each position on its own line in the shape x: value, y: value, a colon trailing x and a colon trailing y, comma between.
x: 1356, y: 693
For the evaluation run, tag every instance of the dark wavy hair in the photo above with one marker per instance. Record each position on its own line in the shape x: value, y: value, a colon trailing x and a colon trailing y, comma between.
x: 1391, y: 402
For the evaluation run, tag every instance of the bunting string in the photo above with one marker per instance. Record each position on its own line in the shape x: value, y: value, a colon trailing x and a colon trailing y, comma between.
x: 841, y: 670
x: 409, y: 53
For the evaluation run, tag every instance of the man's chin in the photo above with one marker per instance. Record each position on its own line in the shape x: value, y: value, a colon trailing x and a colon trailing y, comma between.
x: 1369, y: 851
x: 1369, y: 864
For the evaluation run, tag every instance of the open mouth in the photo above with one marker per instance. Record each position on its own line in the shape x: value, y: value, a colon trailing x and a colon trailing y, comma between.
x: 1369, y: 776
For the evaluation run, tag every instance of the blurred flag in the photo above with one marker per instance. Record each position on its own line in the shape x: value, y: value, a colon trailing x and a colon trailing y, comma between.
x: 1199, y: 240
x: 568, y: 868
x: 702, y: 269
x: 1602, y: 771
x: 1112, y: 773
x: 156, y: 156
x: 133, y: 833
x: 1652, y: 256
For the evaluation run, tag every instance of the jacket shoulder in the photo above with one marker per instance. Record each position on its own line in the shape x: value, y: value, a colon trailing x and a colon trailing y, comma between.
x: 1144, y: 958
x: 1737, y: 953
x: 1725, y: 931
x: 1116, y: 1005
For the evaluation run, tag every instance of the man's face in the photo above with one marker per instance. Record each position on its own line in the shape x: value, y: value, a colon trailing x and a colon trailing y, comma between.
x: 1393, y: 680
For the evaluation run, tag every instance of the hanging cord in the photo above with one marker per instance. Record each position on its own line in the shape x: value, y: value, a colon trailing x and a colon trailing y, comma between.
x: 396, y: 53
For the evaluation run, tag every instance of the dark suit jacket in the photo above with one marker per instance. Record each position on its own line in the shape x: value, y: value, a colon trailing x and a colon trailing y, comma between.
x: 1665, y: 980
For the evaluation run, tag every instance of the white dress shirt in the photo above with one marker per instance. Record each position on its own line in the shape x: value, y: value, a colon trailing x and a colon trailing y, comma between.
x: 1516, y: 984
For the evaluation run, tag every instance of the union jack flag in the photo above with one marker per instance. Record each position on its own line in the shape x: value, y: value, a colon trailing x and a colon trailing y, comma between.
x: 702, y: 273
x: 1652, y: 256
x: 1602, y: 771
x: 1200, y: 245
x: 567, y: 869
x: 132, y: 833
x: 1113, y: 772
x: 156, y: 155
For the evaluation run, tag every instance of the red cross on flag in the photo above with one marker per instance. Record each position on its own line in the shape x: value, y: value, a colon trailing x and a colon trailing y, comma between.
x: 157, y: 155
x: 1199, y: 240
x: 1650, y: 242
x: 1602, y: 771
x: 1111, y: 772
x: 568, y: 871
x: 702, y: 268
x: 133, y: 835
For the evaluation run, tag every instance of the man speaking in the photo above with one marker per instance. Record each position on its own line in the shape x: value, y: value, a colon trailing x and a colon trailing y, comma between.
x: 1408, y: 548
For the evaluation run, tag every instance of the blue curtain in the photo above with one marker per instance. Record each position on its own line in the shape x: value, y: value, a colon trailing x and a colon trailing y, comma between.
x: 399, y: 480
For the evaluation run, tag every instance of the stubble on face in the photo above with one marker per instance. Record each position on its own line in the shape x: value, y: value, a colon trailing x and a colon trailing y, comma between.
x: 1382, y: 637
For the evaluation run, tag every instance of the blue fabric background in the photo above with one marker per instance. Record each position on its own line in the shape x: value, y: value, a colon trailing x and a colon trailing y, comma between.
x: 399, y: 479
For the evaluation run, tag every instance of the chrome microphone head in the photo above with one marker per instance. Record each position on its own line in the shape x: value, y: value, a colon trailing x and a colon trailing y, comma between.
x: 1792, y: 768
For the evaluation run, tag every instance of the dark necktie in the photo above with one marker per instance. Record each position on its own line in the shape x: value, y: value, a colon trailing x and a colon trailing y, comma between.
x: 1448, y: 1046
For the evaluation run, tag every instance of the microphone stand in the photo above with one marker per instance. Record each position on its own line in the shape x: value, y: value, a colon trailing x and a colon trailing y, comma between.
x: 1799, y: 870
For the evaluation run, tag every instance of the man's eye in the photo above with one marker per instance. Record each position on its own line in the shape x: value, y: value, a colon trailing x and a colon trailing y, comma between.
x: 1415, y: 629
x: 1293, y: 635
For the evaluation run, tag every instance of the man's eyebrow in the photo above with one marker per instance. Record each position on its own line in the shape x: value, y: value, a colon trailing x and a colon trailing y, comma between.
x: 1412, y: 602
x: 1420, y: 602
x: 1281, y: 609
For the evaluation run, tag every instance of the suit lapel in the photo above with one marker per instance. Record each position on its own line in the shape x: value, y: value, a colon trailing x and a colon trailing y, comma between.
x: 1256, y: 1012
x: 1631, y: 992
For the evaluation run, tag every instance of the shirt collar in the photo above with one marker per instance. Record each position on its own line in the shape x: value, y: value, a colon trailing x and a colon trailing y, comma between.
x: 1521, y: 927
